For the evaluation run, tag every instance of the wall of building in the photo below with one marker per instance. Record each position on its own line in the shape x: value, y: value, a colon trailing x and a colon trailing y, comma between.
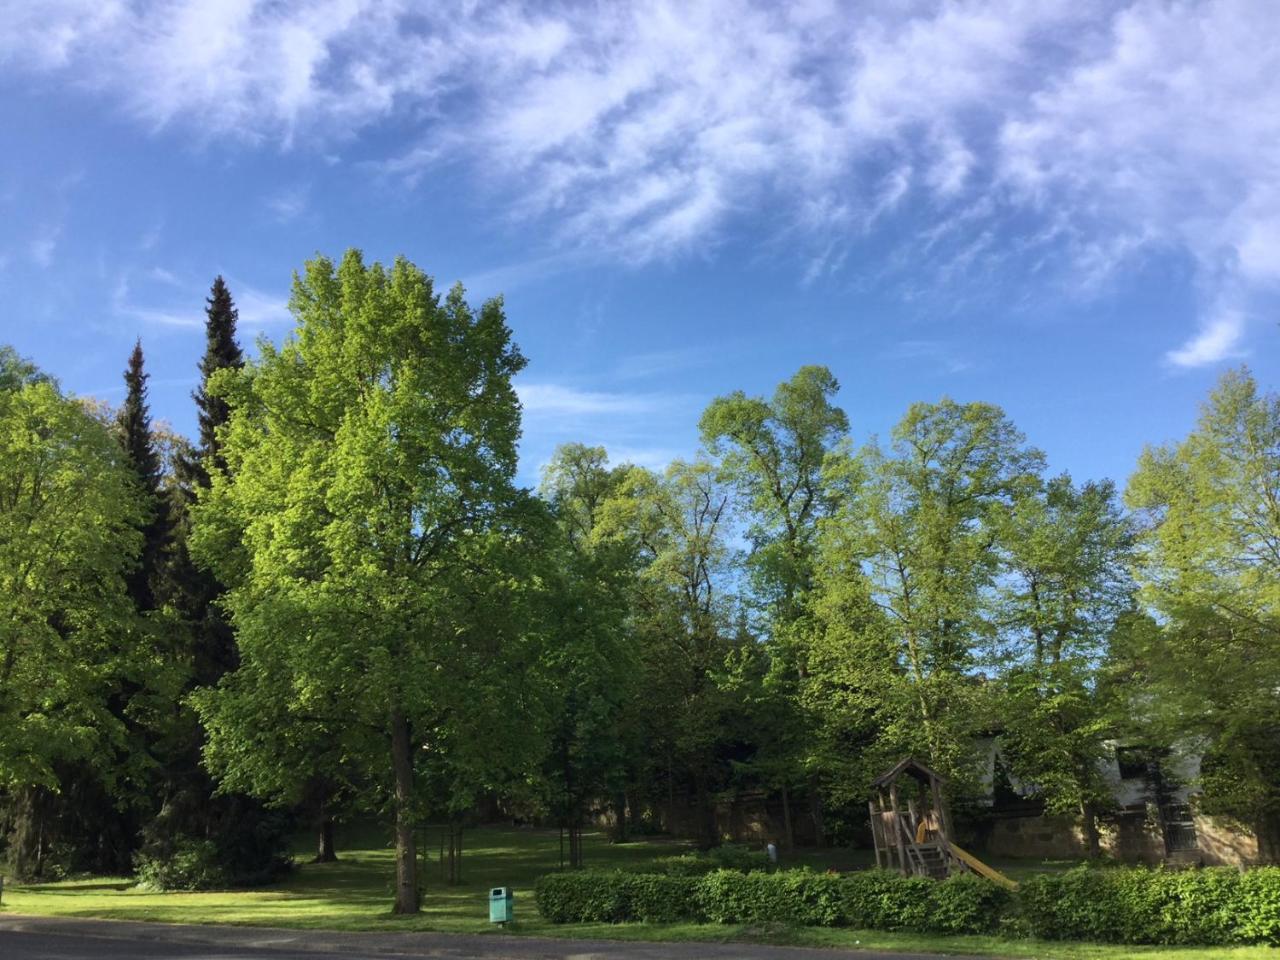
x: 1131, y: 837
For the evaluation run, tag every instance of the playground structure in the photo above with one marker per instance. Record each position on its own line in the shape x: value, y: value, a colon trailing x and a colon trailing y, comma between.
x: 915, y: 837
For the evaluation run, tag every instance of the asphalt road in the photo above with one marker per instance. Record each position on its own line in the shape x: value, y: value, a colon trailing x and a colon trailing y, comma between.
x: 51, y: 938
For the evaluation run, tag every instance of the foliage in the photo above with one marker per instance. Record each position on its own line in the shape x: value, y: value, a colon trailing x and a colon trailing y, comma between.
x: 67, y: 540
x: 1210, y: 572
x: 593, y: 668
x: 871, y: 899
x: 1213, y: 906
x: 728, y: 856
x: 375, y: 546
x: 1067, y: 552
x: 190, y: 865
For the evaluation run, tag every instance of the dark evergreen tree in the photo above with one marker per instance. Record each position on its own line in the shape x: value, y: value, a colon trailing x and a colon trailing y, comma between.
x: 214, y: 652
x: 140, y: 448
x: 221, y: 351
x: 247, y: 838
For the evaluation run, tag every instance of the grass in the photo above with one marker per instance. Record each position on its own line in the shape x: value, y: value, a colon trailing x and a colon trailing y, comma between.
x: 355, y: 894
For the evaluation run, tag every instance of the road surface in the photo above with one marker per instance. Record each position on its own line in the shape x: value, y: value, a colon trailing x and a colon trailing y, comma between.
x: 52, y: 938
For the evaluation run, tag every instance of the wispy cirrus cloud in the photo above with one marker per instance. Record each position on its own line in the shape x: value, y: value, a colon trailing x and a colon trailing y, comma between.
x: 553, y: 399
x: 158, y: 306
x: 1046, y: 137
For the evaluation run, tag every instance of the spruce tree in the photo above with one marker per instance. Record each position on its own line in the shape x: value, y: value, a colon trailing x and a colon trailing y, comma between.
x: 140, y: 449
x: 214, y: 652
x: 220, y: 352
x: 247, y: 838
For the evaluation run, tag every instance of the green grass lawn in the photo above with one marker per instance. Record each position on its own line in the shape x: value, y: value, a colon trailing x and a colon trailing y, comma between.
x: 356, y: 892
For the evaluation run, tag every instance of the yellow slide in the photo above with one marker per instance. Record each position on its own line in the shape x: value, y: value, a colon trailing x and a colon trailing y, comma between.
x: 980, y: 868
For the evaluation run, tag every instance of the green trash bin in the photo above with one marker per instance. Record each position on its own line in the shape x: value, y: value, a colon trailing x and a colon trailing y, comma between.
x: 500, y: 909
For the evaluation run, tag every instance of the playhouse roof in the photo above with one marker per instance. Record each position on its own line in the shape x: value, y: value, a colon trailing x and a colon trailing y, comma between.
x: 912, y: 768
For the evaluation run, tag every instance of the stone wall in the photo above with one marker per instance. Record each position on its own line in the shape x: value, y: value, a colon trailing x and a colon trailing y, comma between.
x: 1132, y: 837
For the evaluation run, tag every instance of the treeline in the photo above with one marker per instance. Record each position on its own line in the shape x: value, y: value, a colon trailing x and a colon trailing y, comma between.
x: 339, y: 602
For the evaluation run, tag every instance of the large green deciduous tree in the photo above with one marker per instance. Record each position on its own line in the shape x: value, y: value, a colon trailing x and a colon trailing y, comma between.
x: 69, y: 511
x: 1209, y: 508
x: 908, y: 576
x: 676, y: 525
x: 1066, y: 586
x: 369, y: 528
x: 593, y: 667
x: 772, y: 453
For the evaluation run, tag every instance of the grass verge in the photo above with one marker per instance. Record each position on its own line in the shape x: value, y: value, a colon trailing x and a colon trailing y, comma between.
x: 355, y: 894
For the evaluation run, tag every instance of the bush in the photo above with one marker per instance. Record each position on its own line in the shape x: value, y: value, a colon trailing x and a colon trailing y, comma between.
x: 799, y: 897
x: 964, y: 904
x: 871, y: 899
x: 188, y: 865
x: 727, y: 857
x: 1120, y: 905
x: 1135, y: 905
x: 615, y: 897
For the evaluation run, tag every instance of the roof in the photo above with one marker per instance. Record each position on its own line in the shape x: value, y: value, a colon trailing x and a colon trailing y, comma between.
x: 913, y: 768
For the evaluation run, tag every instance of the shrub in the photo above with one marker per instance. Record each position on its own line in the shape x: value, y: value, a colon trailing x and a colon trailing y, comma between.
x: 727, y: 857
x: 1258, y: 900
x: 187, y: 865
x: 1135, y: 905
x: 615, y: 897
x: 1113, y: 905
x: 883, y: 900
x: 871, y: 899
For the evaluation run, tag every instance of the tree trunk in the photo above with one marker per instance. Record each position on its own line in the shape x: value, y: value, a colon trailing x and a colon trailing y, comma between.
x: 324, y: 847
x: 788, y: 834
x: 815, y: 807
x: 1268, y: 833
x: 1092, y: 841
x: 620, y: 817
x: 406, y: 855
x: 708, y: 834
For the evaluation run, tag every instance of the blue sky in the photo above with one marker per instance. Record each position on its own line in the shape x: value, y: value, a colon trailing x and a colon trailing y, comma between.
x: 1071, y: 209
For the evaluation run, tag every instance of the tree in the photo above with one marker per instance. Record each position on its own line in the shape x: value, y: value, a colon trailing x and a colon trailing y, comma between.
x: 907, y: 579
x: 69, y: 513
x: 140, y: 450
x: 773, y: 453
x: 222, y: 352
x: 593, y: 668
x: 1209, y: 510
x: 1066, y: 587
x: 675, y: 523
x: 198, y: 590
x: 372, y: 535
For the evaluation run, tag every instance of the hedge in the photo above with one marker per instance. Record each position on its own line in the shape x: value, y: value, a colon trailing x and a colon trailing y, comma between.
x: 870, y: 899
x: 1119, y: 905
x: 1208, y: 907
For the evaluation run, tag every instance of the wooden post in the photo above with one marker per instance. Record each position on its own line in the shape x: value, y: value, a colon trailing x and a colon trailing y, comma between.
x: 944, y: 816
x: 897, y: 830
x: 877, y: 829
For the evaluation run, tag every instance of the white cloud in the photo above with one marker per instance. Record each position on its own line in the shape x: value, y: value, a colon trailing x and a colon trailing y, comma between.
x: 258, y: 309
x: 290, y: 203
x: 44, y: 245
x: 555, y: 399
x: 1078, y: 133
x: 1218, y: 340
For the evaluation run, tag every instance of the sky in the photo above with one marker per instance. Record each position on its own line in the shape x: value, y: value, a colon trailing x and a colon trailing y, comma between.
x: 1070, y: 209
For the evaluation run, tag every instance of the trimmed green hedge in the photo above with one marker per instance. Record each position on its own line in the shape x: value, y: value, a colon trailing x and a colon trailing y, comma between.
x: 871, y: 899
x: 1120, y: 905
x: 1215, y: 906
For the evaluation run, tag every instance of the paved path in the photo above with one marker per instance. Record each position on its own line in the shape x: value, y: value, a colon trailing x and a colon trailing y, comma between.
x: 55, y: 938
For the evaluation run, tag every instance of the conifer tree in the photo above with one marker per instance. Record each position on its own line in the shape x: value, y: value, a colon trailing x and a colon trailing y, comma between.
x: 221, y: 351
x: 140, y: 449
